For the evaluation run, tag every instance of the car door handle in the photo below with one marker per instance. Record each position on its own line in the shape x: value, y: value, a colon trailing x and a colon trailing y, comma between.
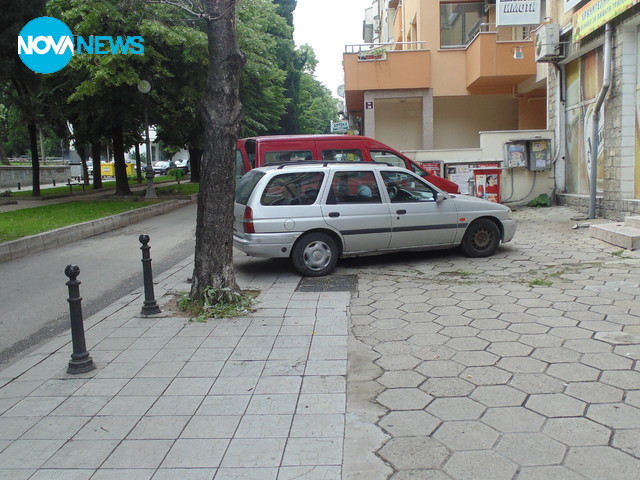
x: 334, y: 214
x: 401, y: 212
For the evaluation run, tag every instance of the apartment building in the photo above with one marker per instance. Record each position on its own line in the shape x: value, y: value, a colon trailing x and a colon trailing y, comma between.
x: 486, y: 81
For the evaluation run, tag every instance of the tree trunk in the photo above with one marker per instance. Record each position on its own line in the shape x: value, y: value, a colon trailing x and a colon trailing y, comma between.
x: 195, y: 160
x: 222, y: 113
x: 82, y: 153
x: 35, y: 162
x: 138, y: 164
x: 97, y: 169
x: 122, y: 181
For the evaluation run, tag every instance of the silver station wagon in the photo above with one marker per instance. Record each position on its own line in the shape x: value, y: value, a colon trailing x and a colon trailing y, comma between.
x: 316, y: 212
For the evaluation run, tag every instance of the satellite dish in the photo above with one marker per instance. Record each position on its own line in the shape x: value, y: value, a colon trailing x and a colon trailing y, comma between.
x: 340, y: 91
x: 144, y: 86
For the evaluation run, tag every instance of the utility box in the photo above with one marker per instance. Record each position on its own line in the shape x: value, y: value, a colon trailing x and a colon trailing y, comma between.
x: 534, y: 155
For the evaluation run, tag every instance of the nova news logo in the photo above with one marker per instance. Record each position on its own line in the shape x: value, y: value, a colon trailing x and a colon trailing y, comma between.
x: 46, y: 45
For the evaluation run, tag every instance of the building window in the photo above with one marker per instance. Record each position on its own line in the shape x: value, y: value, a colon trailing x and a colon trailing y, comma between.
x: 459, y: 23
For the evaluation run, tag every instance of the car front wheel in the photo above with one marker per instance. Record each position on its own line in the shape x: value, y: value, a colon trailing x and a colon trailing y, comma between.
x: 481, y: 238
x: 315, y: 255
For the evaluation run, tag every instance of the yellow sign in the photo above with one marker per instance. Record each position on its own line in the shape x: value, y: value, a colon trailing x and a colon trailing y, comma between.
x: 597, y: 13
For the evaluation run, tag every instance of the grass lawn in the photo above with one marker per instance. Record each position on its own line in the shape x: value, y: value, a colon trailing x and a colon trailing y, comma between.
x: 181, y: 189
x: 64, y: 189
x: 29, y: 221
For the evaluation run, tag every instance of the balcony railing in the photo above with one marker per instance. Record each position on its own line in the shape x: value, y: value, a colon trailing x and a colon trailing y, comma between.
x: 391, y: 46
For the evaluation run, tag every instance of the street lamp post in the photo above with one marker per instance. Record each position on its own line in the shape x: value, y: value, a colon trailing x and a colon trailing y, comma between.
x: 145, y: 87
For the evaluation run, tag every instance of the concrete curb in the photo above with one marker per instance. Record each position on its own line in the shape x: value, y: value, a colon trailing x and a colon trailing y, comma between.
x: 25, y: 246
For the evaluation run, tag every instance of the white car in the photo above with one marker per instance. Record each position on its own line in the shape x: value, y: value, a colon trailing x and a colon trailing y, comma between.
x: 316, y: 212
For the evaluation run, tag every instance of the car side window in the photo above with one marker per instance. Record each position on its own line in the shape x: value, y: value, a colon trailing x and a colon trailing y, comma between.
x: 292, y: 189
x: 403, y: 187
x: 354, y: 187
x: 383, y: 156
x: 342, y: 155
x: 287, y: 156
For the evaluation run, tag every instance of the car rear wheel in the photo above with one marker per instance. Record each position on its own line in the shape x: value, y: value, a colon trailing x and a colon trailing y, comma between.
x: 315, y: 254
x: 481, y: 238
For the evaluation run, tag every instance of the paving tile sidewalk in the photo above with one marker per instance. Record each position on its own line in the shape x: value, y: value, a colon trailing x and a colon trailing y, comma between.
x: 256, y: 397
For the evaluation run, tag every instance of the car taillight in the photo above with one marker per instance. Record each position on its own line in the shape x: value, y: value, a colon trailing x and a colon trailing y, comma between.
x: 247, y: 220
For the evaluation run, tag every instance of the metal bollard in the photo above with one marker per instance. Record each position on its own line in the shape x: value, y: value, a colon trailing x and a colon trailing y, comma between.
x: 150, y: 306
x: 54, y: 182
x: 19, y: 186
x: 80, y: 361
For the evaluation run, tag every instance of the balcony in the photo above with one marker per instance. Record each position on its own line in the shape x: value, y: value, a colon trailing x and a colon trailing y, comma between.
x: 499, y: 59
x: 394, y: 70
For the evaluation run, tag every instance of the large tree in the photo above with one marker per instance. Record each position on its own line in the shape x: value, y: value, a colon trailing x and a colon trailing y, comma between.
x: 222, y: 113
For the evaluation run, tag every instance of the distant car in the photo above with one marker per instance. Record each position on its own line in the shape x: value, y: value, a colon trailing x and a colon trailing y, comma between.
x: 314, y: 214
x: 90, y: 167
x: 161, y: 167
x: 183, y: 164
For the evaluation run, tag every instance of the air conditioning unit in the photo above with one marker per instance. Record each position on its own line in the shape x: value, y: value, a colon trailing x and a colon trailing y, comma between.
x: 547, y: 45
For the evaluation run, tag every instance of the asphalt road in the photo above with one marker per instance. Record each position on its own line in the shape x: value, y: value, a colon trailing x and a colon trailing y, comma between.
x: 33, y: 296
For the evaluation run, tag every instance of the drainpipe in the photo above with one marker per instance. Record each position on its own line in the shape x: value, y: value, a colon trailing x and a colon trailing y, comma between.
x: 606, y: 82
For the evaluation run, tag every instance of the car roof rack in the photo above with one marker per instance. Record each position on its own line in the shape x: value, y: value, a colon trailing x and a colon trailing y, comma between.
x: 281, y: 165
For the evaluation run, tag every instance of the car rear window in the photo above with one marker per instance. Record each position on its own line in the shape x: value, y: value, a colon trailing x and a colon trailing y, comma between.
x: 287, y: 156
x: 246, y: 185
x: 292, y: 189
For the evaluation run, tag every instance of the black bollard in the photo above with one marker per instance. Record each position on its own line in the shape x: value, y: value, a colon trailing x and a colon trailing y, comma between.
x: 80, y: 361
x: 54, y: 182
x: 19, y: 186
x: 150, y: 306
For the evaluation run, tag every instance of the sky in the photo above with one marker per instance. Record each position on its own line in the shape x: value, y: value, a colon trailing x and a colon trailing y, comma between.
x: 329, y: 25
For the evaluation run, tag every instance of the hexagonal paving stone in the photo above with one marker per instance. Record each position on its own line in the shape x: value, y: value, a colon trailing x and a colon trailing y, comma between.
x: 401, y: 379
x: 628, y: 441
x: 597, y: 463
x: 528, y: 328
x: 615, y: 415
x: 393, y: 348
x: 588, y: 346
x: 498, y: 396
x: 541, y: 340
x: 447, y: 387
x: 522, y: 365
x: 531, y: 449
x: 414, y: 423
x: 389, y: 323
x: 513, y: 419
x: 556, y: 355
x: 594, y: 392
x: 533, y: 383
x: 555, y: 405
x: 467, y: 343
x: 414, y: 452
x: 480, y: 465
x: 475, y: 358
x: 548, y: 473
x: 499, y: 335
x: 440, y: 368
x: 423, y: 339
x: 573, y: 372
x: 459, y: 331
x: 404, y: 399
x: 606, y: 361
x: 628, y: 380
x: 571, y: 332
x: 510, y: 349
x: 391, y: 335
x: 633, y: 398
x: 486, y: 375
x: 433, y: 352
x: 452, y: 320
x: 577, y: 432
x: 456, y: 408
x: 398, y: 362
x: 467, y: 436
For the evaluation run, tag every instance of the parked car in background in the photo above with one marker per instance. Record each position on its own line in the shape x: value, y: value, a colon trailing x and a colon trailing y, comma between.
x: 275, y: 149
x: 316, y: 212
x: 183, y: 164
x: 161, y: 167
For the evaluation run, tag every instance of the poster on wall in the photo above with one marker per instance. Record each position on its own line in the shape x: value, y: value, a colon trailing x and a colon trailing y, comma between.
x: 584, y: 80
x: 460, y: 175
x: 518, y: 12
x: 516, y: 154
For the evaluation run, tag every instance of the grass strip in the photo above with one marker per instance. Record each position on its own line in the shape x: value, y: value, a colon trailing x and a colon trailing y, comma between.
x: 30, y: 221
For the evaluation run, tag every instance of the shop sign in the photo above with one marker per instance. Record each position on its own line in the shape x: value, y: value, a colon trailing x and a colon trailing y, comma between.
x: 518, y: 12
x: 597, y: 13
x: 339, y: 127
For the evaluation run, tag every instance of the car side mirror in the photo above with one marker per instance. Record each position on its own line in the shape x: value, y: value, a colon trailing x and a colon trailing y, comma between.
x: 438, y: 197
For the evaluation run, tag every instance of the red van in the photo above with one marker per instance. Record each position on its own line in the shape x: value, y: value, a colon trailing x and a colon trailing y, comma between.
x: 259, y: 151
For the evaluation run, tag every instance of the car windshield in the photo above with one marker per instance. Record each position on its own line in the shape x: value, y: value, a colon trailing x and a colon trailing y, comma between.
x: 246, y: 185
